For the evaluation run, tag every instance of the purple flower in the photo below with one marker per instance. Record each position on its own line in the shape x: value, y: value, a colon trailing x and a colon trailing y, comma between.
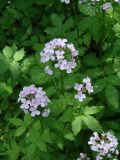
x: 82, y: 88
x: 32, y: 100
x: 106, y: 6
x: 83, y: 157
x: 80, y: 96
x: 57, y: 50
x: 48, y: 70
x: 105, y: 145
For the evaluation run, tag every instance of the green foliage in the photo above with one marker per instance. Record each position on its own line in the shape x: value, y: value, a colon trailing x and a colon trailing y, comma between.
x: 25, y: 27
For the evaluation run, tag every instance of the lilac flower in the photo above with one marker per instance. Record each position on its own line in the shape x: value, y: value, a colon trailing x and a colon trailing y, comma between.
x: 33, y: 100
x: 83, y: 157
x: 86, y: 80
x: 46, y: 112
x: 48, y: 70
x: 78, y: 87
x: 118, y: 1
x: 106, y: 6
x: 105, y: 145
x: 80, y: 96
x: 58, y: 50
x: 82, y: 88
x: 89, y: 87
x: 66, y: 1
x: 88, y: 84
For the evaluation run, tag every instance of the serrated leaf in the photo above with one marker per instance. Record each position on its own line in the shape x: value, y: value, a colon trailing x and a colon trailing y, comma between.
x: 93, y: 110
x: 46, y: 136
x: 4, y: 64
x: 57, y: 20
x: 27, y: 119
x: 19, y: 55
x: 91, y: 60
x: 15, y: 69
x: 69, y: 136
x: 20, y: 131
x: 5, y: 90
x: 7, y: 51
x: 30, y: 151
x: 37, y: 125
x: 94, y: 73
x: 92, y: 123
x: 114, y: 80
x: 99, y: 85
x: 77, y: 125
x: 16, y: 121
x: 67, y: 116
x: 87, y: 9
x: 41, y: 145
x: 68, y: 24
x: 15, y: 150
x: 112, y: 96
x: 87, y: 39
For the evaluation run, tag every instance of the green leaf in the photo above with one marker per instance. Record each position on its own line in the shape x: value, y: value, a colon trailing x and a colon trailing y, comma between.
x: 27, y: 119
x: 19, y: 55
x: 5, y: 90
x: 41, y: 145
x: 4, y: 64
x: 77, y: 125
x: 99, y: 85
x: 112, y: 96
x: 15, y: 69
x: 37, y: 125
x: 30, y: 151
x: 92, y: 123
x: 69, y: 136
x: 7, y: 51
x: 15, y: 150
x: 114, y: 80
x: 46, y: 136
x: 67, y: 115
x: 91, y: 60
x: 20, y: 131
x: 116, y: 65
x: 94, y: 73
x: 57, y: 19
x: 87, y: 39
x: 16, y: 121
x: 58, y: 106
x: 60, y: 143
x: 93, y: 110
x: 68, y: 24
x: 87, y: 9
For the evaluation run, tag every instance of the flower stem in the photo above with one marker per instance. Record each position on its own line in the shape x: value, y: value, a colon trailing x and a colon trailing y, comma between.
x: 62, y: 82
x: 55, y: 85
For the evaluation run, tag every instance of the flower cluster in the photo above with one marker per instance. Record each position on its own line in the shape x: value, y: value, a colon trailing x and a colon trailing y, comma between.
x: 83, y: 157
x: 34, y: 100
x: 106, y: 6
x: 82, y: 88
x: 62, y: 53
x: 65, y: 1
x: 105, y: 145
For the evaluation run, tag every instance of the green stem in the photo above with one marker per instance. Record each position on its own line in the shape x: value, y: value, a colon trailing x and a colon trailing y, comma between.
x: 55, y: 85
x: 62, y: 82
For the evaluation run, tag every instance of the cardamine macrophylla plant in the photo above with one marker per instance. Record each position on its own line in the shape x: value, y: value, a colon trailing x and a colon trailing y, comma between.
x: 60, y: 54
